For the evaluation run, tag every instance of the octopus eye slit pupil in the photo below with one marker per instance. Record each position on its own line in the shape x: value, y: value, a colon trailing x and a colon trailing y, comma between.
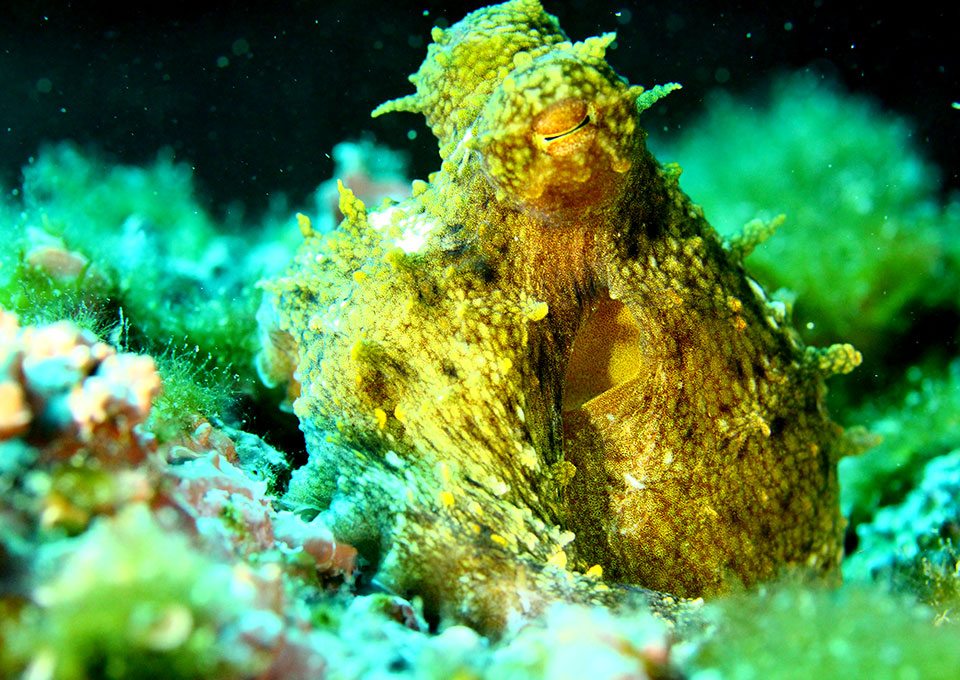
x: 585, y: 121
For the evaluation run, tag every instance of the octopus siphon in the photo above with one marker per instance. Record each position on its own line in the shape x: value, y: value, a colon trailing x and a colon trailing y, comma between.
x: 545, y: 376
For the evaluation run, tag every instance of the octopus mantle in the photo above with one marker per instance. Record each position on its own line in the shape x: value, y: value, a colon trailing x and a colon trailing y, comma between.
x: 544, y: 375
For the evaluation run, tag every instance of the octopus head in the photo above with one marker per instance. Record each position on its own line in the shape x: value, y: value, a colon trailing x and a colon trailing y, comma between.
x: 556, y: 135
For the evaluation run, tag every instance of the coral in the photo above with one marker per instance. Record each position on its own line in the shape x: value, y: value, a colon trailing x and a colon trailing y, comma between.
x: 50, y: 255
x: 180, y: 566
x: 69, y: 392
x: 73, y: 189
x: 192, y: 389
x: 385, y: 636
x: 81, y: 408
x: 131, y: 255
x: 543, y: 375
x: 234, y: 515
x: 855, y: 190
x: 43, y: 279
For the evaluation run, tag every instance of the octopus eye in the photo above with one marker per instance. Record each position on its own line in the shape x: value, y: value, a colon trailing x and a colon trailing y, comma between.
x: 564, y: 127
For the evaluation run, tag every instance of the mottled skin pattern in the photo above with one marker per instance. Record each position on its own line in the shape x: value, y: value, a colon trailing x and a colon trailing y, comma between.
x: 547, y: 360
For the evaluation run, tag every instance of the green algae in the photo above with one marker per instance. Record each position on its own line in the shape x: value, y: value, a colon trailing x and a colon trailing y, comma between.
x: 914, y: 544
x: 786, y: 632
x: 132, y: 254
x: 934, y: 575
x: 915, y: 428
x: 190, y: 389
x: 155, y: 260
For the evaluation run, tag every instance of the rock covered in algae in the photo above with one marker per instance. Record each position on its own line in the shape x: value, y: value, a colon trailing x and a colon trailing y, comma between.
x: 544, y: 375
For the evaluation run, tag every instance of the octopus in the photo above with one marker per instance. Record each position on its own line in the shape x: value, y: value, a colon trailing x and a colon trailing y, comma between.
x: 545, y: 376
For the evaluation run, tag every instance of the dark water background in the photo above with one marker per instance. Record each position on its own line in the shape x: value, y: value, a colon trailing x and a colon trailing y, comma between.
x: 255, y: 96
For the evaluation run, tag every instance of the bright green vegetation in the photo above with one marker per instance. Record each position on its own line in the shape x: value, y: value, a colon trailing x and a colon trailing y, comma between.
x: 856, y: 632
x: 914, y: 544
x: 131, y: 254
x: 924, y: 424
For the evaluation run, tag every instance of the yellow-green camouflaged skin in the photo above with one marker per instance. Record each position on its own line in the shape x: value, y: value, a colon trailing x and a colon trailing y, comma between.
x: 544, y: 376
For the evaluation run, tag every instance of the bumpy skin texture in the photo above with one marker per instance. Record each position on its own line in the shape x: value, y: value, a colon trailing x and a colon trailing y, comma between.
x: 546, y: 359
